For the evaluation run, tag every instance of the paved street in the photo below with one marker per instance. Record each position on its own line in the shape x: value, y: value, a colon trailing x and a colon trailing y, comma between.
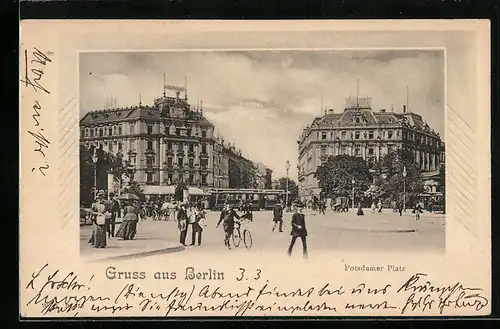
x: 330, y: 232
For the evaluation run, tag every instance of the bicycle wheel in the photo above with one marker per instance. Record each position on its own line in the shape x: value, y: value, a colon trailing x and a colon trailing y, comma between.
x: 155, y: 215
x: 247, y: 239
x: 236, y: 237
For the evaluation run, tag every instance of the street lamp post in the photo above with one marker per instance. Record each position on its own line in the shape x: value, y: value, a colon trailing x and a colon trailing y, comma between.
x: 353, y: 181
x: 94, y: 160
x: 286, y: 195
x: 404, y: 189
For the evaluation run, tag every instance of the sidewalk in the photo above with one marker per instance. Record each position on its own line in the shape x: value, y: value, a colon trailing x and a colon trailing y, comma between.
x: 153, y: 237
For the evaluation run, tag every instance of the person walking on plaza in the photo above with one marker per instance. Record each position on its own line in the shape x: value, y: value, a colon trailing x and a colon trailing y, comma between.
x: 196, y: 226
x: 100, y: 211
x: 227, y: 217
x: 417, y: 210
x: 115, y: 213
x: 373, y: 208
x: 182, y: 218
x: 360, y: 210
x: 400, y: 208
x: 299, y: 229
x: 128, y: 227
x: 278, y: 216
x: 379, y: 206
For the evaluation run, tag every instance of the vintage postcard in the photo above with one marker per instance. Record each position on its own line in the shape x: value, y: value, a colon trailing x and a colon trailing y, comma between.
x: 255, y: 168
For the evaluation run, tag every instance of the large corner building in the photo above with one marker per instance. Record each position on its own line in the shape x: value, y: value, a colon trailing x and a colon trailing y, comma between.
x: 360, y: 131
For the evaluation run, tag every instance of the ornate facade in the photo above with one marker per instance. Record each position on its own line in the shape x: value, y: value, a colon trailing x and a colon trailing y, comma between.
x: 167, y: 143
x: 360, y: 131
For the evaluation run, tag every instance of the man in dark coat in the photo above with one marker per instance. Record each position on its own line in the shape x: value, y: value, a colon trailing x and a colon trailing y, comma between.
x: 227, y: 216
x: 182, y: 218
x: 114, y: 205
x: 299, y: 229
x: 278, y: 217
x: 197, y: 228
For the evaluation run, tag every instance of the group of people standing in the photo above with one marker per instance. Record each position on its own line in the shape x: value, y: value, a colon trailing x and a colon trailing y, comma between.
x: 104, y: 215
x: 190, y: 216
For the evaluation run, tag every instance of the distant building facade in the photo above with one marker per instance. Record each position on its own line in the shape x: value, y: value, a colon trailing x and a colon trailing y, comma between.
x: 264, y: 176
x: 360, y: 131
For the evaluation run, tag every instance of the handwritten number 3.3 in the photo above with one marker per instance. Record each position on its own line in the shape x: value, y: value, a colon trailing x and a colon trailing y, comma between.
x: 243, y: 275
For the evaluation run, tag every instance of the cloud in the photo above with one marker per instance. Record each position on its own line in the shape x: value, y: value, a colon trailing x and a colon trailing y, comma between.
x: 262, y: 99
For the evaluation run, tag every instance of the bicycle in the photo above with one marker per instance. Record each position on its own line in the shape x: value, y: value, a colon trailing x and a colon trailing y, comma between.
x: 247, y: 236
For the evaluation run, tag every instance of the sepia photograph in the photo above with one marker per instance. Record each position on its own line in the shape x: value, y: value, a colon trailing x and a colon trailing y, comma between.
x: 220, y: 151
x: 255, y: 169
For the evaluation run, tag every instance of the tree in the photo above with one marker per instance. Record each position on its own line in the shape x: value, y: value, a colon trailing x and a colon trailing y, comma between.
x: 389, y: 186
x: 134, y: 187
x: 292, y: 187
x: 86, y: 176
x: 336, y: 173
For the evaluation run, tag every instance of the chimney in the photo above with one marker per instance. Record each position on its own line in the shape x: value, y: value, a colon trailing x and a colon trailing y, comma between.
x: 404, y: 108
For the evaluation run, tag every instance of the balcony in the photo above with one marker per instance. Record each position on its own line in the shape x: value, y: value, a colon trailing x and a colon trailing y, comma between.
x: 203, y: 155
x: 150, y: 151
x: 170, y: 152
x: 191, y: 154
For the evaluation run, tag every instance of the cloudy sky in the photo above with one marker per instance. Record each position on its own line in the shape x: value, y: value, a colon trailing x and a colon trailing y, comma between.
x: 260, y: 100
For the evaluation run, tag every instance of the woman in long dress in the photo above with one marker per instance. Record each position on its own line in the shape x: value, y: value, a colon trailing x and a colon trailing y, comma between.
x: 99, y: 212
x: 128, y: 227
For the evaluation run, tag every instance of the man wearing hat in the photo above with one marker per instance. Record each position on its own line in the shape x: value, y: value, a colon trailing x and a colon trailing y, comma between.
x: 299, y: 229
x: 227, y: 217
x: 278, y: 216
x: 182, y: 218
x: 114, y: 207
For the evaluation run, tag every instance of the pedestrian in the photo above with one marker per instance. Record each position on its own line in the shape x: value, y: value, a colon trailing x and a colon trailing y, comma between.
x: 182, y: 218
x: 299, y: 229
x: 380, y: 206
x: 115, y: 213
x: 128, y: 227
x: 400, y: 208
x: 196, y: 226
x: 227, y: 217
x: 100, y: 211
x: 417, y: 210
x: 278, y: 216
x: 373, y: 208
x: 360, y: 210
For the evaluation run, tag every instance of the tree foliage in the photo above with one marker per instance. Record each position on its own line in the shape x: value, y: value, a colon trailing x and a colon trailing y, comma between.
x: 292, y: 187
x: 106, y: 163
x: 336, y: 173
x: 391, y: 185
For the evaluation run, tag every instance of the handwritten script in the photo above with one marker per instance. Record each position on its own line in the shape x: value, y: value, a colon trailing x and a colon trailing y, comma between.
x: 36, y: 62
x: 55, y: 292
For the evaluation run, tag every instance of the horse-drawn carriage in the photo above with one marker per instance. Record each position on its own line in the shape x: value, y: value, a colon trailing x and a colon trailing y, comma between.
x: 338, y: 203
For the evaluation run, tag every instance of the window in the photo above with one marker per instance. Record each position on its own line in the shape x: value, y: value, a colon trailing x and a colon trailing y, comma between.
x: 169, y: 161
x: 113, y: 131
x: 370, y: 134
x: 323, y: 150
x: 323, y: 135
x: 120, y: 147
x: 357, y: 150
x: 357, y: 119
x: 101, y: 132
x: 203, y: 148
x: 181, y: 146
x: 132, y: 160
x: 389, y: 134
x: 356, y: 135
x: 169, y: 145
x: 150, y: 145
x: 191, y: 162
x: 344, y: 135
x: 180, y: 161
x: 170, y: 180
x: 132, y: 144
x: 149, y: 129
x: 178, y: 131
x: 370, y: 151
x: 132, y: 128
x: 91, y: 132
x: 203, y: 163
x: 150, y: 161
x: 110, y: 147
x: 119, y: 129
x: 204, y: 179
x: 149, y: 177
x: 191, y: 178
x: 181, y: 177
x: 191, y: 148
x: 203, y: 133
